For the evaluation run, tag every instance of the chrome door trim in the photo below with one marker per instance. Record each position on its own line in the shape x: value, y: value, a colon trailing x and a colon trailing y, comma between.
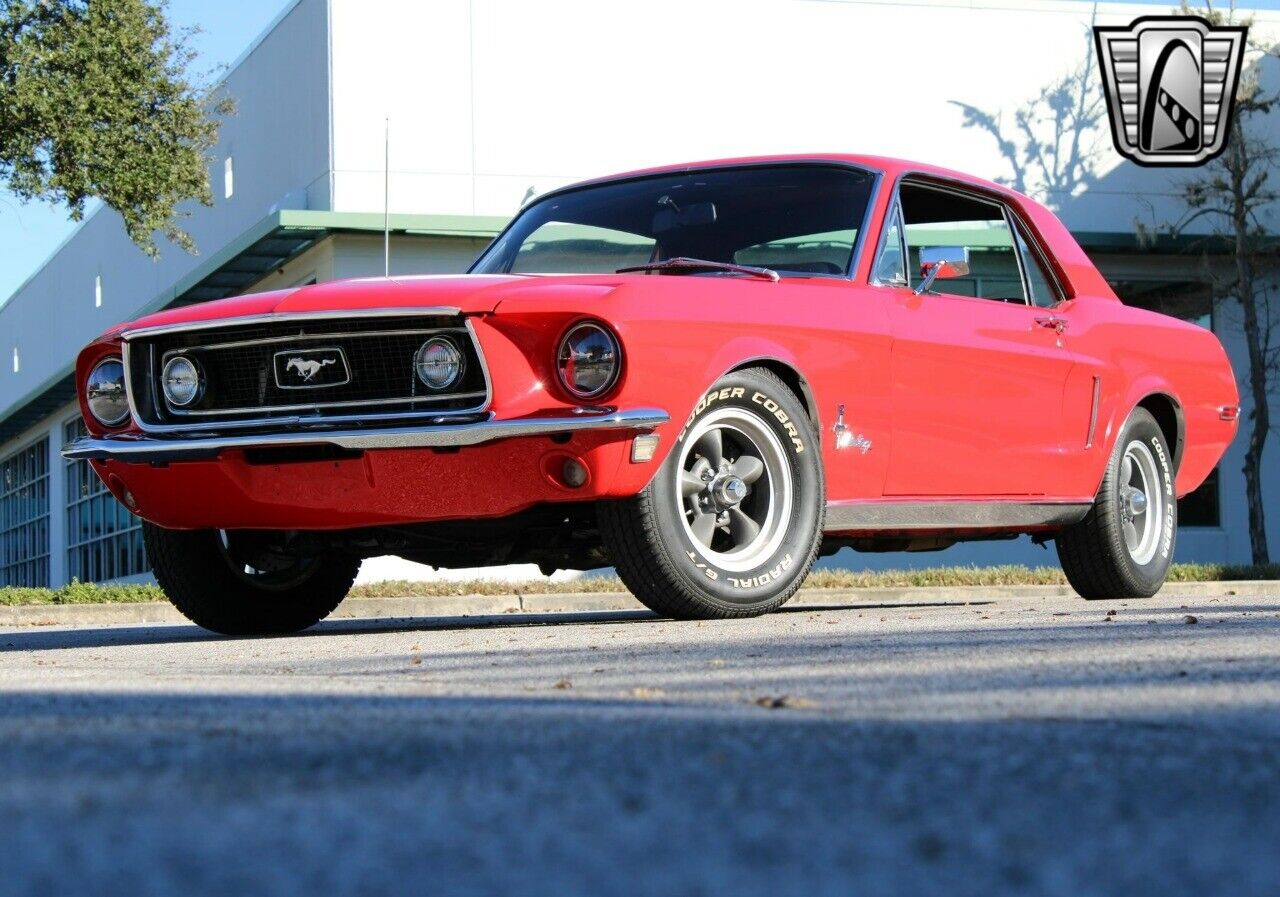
x: 857, y: 516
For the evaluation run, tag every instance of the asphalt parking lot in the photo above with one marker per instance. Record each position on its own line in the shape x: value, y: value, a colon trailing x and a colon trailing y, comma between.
x: 1018, y: 746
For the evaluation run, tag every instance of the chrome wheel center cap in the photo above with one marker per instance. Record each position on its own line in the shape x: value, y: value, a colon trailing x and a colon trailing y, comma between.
x: 729, y: 491
x: 1137, y: 503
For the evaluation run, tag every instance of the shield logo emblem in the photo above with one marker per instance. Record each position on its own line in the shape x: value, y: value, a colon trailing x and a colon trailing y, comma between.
x: 1170, y: 83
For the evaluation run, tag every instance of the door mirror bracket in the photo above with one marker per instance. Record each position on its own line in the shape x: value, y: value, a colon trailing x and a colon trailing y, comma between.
x: 942, y: 262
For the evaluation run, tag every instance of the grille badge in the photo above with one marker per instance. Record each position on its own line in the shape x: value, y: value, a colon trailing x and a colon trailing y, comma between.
x: 311, y: 368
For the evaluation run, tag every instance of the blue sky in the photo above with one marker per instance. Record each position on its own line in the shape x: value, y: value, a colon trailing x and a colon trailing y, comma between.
x: 29, y: 233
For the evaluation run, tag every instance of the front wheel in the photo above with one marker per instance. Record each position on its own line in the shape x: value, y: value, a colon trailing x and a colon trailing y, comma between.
x: 731, y: 523
x: 1124, y: 546
x: 246, y: 582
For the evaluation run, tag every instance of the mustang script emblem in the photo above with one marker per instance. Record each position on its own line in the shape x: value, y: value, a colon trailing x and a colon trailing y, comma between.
x: 311, y: 368
x: 1171, y: 84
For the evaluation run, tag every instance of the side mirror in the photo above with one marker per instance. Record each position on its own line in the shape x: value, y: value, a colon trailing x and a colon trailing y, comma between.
x: 942, y: 262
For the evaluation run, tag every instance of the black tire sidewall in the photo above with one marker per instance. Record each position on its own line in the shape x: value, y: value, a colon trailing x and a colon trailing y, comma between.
x: 1147, y: 578
x: 771, y: 402
x: 199, y: 581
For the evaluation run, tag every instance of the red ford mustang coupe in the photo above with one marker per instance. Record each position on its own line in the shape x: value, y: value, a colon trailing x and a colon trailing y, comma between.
x: 704, y: 376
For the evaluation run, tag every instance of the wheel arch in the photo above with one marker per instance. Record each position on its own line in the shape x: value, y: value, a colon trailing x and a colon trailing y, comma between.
x: 1167, y: 411
x: 788, y: 374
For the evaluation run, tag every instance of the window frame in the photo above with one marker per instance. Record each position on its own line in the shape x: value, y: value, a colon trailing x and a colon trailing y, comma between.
x: 1013, y: 219
x: 850, y: 274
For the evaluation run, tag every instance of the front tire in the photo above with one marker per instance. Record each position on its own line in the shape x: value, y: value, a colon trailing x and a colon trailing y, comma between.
x: 1124, y: 546
x: 732, y: 522
x: 246, y: 583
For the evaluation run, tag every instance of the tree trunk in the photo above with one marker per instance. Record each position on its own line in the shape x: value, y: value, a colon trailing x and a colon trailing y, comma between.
x: 1260, y: 418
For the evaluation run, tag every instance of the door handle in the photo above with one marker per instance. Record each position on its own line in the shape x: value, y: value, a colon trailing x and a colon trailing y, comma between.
x: 1054, y: 323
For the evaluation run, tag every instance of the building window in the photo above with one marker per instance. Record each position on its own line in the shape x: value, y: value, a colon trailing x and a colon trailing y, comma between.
x: 104, y: 541
x: 24, y: 516
x: 97, y: 291
x: 228, y: 178
x: 17, y: 361
x: 1202, y: 507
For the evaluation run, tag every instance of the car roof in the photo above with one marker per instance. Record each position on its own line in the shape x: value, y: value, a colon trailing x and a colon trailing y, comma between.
x: 883, y: 164
x: 1076, y: 271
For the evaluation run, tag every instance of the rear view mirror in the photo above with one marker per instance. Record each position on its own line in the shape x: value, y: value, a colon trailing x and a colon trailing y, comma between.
x: 671, y: 216
x: 942, y: 262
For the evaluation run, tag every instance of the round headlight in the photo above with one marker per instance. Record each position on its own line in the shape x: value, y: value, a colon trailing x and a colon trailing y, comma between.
x: 104, y: 392
x: 439, y: 363
x: 588, y: 360
x: 180, y: 381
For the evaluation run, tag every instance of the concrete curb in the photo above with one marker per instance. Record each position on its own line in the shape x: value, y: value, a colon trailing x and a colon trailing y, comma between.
x: 585, y: 602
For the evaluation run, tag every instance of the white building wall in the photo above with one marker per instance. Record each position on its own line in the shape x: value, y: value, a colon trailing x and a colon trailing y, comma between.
x: 492, y: 99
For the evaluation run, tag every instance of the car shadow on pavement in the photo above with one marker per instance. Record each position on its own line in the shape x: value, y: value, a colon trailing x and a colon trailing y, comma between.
x: 46, y: 639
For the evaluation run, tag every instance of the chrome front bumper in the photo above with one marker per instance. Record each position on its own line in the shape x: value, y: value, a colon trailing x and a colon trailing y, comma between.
x: 160, y: 449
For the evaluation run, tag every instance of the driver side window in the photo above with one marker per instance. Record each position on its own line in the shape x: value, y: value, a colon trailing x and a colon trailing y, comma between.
x: 934, y: 217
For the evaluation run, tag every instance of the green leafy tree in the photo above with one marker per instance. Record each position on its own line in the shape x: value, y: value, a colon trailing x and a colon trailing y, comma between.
x: 96, y: 101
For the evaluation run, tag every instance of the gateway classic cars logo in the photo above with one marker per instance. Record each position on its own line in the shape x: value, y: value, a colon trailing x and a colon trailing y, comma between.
x: 1170, y: 83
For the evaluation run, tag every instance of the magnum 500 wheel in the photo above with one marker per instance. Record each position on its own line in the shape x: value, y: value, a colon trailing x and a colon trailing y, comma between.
x: 1123, y: 548
x: 246, y: 583
x: 732, y: 522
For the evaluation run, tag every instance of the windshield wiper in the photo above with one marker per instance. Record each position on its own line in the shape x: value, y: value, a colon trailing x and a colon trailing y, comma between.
x: 695, y: 265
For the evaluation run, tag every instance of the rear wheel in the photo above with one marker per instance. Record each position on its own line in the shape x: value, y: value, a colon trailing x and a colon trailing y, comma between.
x: 1124, y: 547
x: 731, y: 524
x: 246, y: 582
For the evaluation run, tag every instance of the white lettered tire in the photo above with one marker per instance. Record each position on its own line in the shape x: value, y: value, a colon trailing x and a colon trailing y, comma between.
x: 731, y: 524
x: 1124, y: 546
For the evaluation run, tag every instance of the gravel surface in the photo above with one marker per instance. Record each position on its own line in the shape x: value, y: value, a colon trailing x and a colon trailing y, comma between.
x: 1019, y: 746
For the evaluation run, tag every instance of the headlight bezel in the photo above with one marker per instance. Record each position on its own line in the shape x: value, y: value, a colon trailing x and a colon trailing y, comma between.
x: 93, y: 393
x: 564, y: 348
x: 459, y: 360
x: 196, y: 393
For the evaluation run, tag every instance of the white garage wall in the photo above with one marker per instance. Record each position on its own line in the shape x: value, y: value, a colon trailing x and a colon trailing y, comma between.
x: 489, y: 99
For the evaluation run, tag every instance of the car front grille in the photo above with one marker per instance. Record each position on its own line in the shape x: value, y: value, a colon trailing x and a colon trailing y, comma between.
x: 304, y: 371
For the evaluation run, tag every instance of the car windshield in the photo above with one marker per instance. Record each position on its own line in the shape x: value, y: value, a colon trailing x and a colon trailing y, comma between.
x: 794, y: 219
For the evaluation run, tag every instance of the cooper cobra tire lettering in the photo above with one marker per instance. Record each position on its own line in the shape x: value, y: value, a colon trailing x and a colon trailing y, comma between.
x: 783, y: 418
x: 1167, y: 525
x: 687, y: 574
x: 1098, y: 553
x: 716, y: 395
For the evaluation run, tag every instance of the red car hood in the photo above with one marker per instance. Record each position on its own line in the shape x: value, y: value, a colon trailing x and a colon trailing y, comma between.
x: 470, y: 293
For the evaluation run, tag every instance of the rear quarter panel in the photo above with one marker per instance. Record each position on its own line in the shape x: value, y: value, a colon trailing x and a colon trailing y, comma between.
x: 1137, y: 353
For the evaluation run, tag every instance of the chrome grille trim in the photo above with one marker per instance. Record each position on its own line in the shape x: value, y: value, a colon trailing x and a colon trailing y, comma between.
x: 287, y: 317
x: 274, y: 420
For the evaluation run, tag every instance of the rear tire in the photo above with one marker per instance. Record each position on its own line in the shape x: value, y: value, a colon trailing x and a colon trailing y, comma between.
x: 241, y: 583
x: 732, y: 522
x: 1124, y: 546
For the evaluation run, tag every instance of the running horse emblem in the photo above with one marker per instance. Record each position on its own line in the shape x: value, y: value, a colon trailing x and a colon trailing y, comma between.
x: 307, y: 368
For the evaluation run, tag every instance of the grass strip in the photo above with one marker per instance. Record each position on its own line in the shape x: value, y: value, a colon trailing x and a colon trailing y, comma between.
x: 934, y: 577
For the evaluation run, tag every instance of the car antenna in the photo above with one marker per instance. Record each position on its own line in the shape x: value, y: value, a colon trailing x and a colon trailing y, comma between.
x: 386, y: 199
